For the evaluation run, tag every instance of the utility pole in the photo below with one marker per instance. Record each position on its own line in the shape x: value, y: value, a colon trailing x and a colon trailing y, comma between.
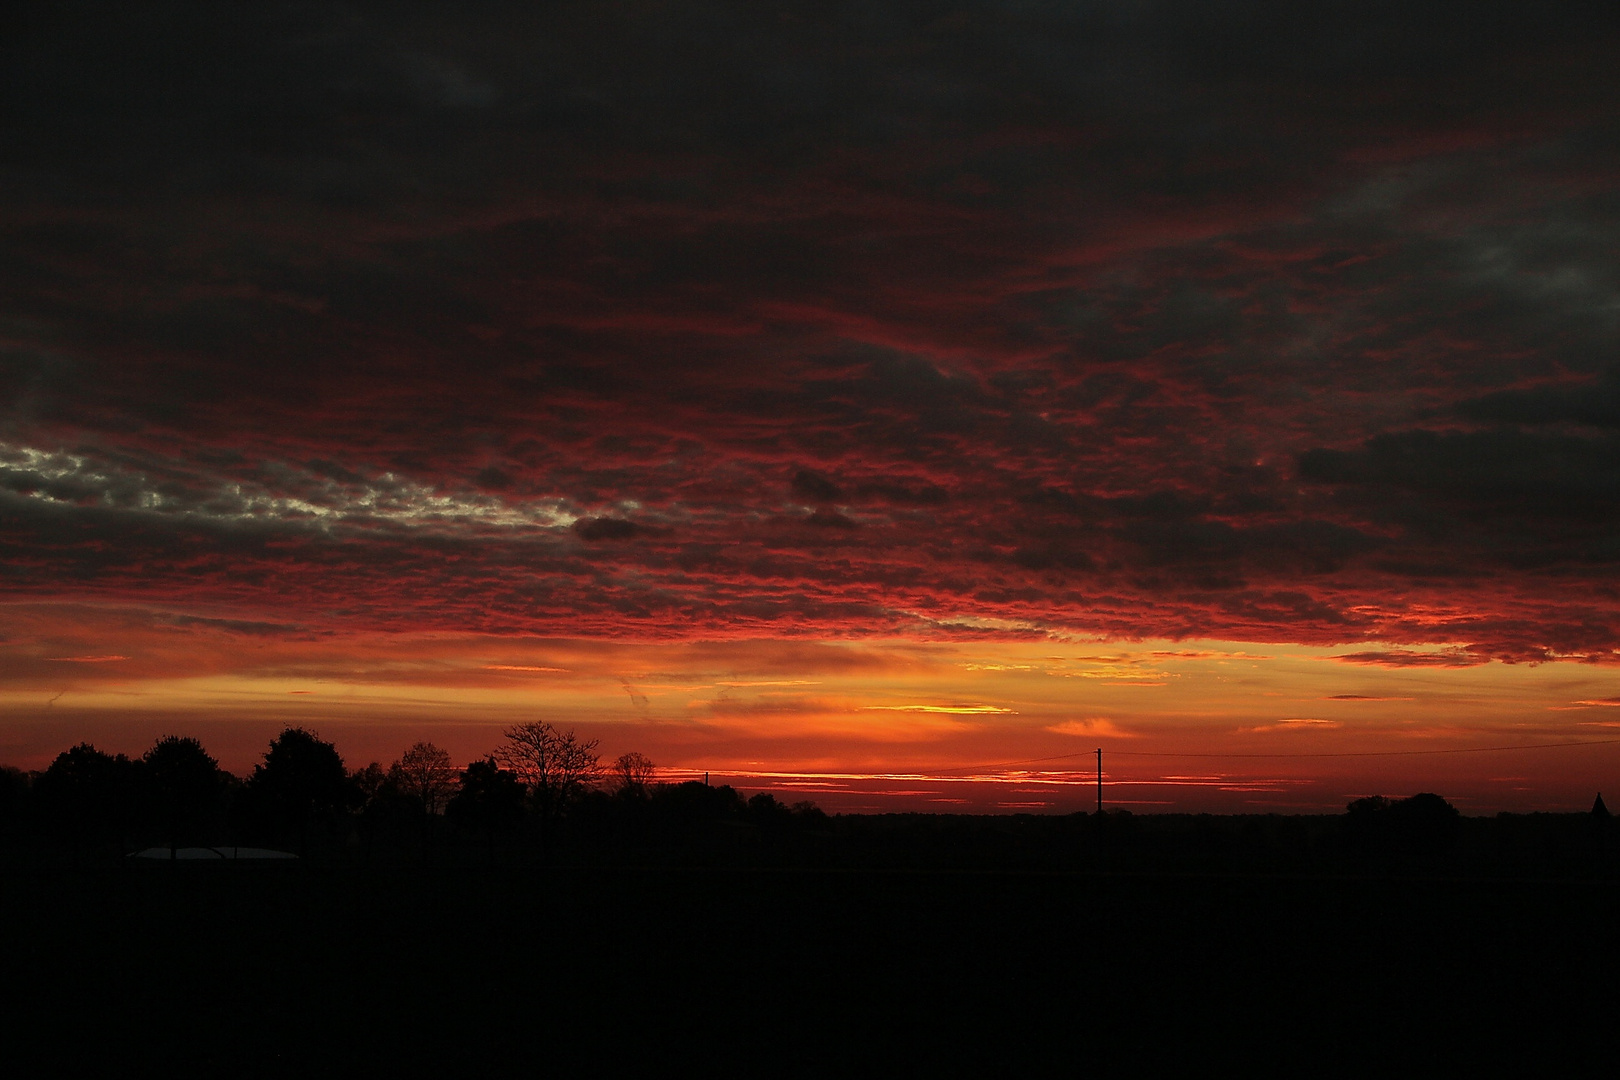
x: 1099, y: 779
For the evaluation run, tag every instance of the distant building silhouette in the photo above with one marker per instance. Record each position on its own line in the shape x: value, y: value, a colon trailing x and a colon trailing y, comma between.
x: 1598, y: 809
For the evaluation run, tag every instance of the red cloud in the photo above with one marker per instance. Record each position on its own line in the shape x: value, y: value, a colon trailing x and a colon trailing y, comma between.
x: 1053, y: 356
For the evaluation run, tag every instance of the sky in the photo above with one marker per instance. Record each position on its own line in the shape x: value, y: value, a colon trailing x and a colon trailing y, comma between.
x: 883, y: 404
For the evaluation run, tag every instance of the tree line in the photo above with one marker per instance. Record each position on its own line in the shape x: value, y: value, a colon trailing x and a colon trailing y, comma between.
x: 301, y: 792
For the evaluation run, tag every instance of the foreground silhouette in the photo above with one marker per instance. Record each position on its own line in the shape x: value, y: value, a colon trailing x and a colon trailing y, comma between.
x: 558, y: 805
x: 638, y: 921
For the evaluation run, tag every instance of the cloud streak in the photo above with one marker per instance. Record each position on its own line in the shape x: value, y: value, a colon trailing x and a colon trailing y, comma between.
x: 993, y: 321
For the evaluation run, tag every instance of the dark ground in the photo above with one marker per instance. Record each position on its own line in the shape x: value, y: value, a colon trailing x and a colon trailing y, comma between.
x: 821, y: 965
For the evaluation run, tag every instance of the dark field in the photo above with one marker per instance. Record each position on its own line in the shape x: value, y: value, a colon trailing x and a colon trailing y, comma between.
x: 831, y: 961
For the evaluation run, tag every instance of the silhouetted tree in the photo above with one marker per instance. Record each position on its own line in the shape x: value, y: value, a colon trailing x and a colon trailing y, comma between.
x: 1423, y: 825
x: 301, y: 781
x: 554, y: 765
x: 368, y: 782
x: 14, y: 794
x: 1427, y: 824
x: 696, y: 801
x: 1367, y: 822
x: 809, y: 813
x: 1366, y: 807
x: 88, y: 795
x: 425, y: 772
x: 765, y: 809
x: 184, y: 786
x: 635, y: 773
x: 490, y: 800
x: 1425, y: 806
x: 385, y: 806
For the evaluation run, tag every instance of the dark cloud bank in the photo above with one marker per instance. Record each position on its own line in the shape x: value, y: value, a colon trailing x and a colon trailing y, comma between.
x: 1260, y: 321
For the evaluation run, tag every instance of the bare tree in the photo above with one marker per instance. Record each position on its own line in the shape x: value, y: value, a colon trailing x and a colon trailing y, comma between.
x: 425, y: 771
x: 555, y: 765
x: 634, y: 772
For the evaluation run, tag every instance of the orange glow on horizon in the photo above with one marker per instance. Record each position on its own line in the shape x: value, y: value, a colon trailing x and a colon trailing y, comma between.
x: 859, y: 724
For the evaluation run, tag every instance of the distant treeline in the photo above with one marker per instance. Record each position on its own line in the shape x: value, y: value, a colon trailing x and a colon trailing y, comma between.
x: 545, y: 796
x: 541, y: 787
